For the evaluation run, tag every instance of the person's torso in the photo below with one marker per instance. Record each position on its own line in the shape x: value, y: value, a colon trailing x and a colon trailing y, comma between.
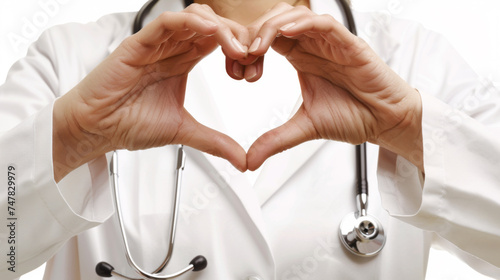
x: 281, y: 223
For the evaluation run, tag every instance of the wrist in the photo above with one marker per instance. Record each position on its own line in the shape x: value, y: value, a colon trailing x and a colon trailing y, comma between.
x: 72, y: 146
x: 405, y: 139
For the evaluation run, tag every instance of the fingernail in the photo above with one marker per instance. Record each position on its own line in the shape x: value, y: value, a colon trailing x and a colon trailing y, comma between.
x: 287, y: 26
x: 238, y: 45
x: 250, y: 72
x: 237, y: 69
x: 255, y: 45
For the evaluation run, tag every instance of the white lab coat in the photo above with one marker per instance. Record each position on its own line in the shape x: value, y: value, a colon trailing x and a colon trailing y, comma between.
x: 279, y: 224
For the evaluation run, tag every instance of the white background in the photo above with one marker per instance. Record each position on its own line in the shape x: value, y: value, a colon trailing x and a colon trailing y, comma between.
x: 473, y: 27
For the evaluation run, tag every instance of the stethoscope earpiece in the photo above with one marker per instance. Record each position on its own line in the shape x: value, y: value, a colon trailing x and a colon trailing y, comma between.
x: 104, y: 269
x: 199, y: 263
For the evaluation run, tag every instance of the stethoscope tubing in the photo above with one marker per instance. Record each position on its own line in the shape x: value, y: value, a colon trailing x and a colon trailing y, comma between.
x: 116, y: 197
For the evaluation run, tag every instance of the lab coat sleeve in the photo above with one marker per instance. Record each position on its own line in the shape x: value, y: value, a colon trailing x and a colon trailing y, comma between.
x: 458, y: 198
x: 37, y: 215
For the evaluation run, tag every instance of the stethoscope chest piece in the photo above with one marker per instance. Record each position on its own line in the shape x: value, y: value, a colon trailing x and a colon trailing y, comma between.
x: 362, y: 235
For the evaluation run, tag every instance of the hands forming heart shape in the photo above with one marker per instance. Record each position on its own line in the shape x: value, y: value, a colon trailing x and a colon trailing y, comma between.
x: 134, y: 99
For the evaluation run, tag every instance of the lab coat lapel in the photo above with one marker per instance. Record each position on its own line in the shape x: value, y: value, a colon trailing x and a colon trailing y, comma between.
x: 227, y: 176
x: 278, y: 169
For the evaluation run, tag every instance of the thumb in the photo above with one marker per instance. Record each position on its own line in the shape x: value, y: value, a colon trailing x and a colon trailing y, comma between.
x: 297, y: 130
x: 200, y: 137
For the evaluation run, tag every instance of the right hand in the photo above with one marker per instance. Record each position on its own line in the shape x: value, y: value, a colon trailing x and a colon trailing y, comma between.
x: 135, y: 98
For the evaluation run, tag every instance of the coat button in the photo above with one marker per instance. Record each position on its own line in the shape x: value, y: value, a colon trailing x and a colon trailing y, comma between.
x: 254, y: 277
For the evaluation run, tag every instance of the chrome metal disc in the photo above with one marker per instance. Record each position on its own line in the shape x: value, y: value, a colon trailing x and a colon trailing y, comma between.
x: 364, y: 236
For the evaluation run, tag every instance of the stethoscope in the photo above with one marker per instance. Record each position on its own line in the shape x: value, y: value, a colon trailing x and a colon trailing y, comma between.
x: 361, y: 233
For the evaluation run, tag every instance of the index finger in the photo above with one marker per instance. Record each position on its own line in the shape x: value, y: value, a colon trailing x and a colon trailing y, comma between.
x: 162, y: 28
x: 271, y: 24
x: 142, y: 48
x: 199, y: 19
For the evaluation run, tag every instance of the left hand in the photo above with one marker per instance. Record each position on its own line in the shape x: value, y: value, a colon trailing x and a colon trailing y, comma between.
x: 349, y: 93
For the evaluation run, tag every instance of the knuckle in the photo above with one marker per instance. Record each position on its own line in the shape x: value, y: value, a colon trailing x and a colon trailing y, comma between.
x: 241, y: 31
x: 206, y: 7
x: 192, y: 7
x: 225, y: 29
x: 282, y: 5
x: 326, y: 17
x: 270, y: 24
x: 252, y: 29
x: 198, y: 8
x: 165, y: 15
x: 303, y: 8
